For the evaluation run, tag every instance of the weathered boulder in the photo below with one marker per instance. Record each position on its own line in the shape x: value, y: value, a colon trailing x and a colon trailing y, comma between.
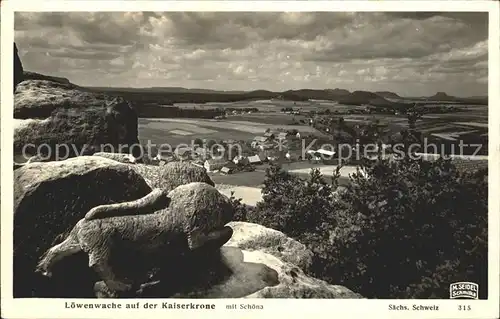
x: 119, y: 157
x: 188, y: 219
x: 254, y: 237
x: 49, y: 198
x: 18, y: 68
x: 285, y: 256
x: 256, y: 274
x: 27, y: 75
x: 60, y: 120
x: 233, y: 272
x: 172, y: 174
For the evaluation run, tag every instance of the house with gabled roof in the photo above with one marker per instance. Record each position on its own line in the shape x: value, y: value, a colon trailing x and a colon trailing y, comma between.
x: 214, y: 164
x: 227, y: 170
x: 254, y: 159
x: 269, y: 135
x: 183, y: 153
x: 240, y: 160
x: 282, y: 135
x: 258, y: 140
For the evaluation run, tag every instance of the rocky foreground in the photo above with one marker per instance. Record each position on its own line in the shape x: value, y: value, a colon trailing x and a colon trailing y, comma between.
x: 50, y: 198
x: 53, y: 196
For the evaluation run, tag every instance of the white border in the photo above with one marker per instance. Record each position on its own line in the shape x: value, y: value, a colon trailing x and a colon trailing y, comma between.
x: 55, y: 308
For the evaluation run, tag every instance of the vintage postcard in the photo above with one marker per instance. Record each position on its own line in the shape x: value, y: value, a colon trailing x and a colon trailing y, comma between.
x: 250, y: 158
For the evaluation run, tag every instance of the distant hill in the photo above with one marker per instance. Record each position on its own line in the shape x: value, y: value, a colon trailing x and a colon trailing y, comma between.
x: 388, y: 95
x: 478, y: 97
x: 338, y: 92
x: 360, y: 98
x: 185, y: 90
x: 169, y: 96
x: 370, y: 98
x: 442, y: 96
x: 306, y: 94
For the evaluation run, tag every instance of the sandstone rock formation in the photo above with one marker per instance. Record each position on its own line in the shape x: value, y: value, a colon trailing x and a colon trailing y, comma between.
x: 194, y: 220
x: 234, y: 272
x: 70, y: 121
x: 18, y: 68
x: 287, y: 257
x: 119, y: 157
x: 52, y: 198
x: 49, y: 198
x: 172, y: 174
x: 27, y: 75
x: 254, y: 237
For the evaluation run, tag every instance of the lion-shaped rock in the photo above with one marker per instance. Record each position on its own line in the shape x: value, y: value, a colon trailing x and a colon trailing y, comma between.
x: 163, y: 225
x: 172, y: 174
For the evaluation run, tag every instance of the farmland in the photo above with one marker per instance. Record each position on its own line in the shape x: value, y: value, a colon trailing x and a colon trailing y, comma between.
x: 244, y: 126
x: 177, y: 131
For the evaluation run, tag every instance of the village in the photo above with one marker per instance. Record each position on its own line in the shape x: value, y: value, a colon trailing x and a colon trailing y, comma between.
x: 231, y: 156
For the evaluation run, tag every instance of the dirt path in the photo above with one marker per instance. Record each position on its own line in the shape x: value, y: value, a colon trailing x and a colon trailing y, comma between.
x: 249, y: 195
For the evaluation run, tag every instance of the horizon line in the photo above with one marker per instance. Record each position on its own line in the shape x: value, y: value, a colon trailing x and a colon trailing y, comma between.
x: 272, y: 91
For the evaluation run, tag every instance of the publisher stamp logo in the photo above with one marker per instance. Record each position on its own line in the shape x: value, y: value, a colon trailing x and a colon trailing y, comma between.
x: 464, y: 290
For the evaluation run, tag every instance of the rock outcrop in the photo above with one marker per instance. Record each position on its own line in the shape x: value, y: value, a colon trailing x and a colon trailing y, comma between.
x: 52, y: 198
x: 119, y: 157
x: 18, y: 68
x: 27, y: 75
x: 254, y: 237
x: 49, y: 198
x: 441, y: 96
x: 235, y: 272
x: 71, y: 122
x: 190, y: 219
x: 285, y: 256
x: 172, y: 174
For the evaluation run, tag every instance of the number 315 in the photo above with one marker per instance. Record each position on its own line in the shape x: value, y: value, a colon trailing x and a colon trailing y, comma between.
x: 464, y: 307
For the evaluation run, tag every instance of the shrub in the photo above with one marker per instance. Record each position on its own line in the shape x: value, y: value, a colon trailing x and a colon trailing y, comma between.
x: 411, y: 222
x: 407, y: 230
x: 288, y: 201
x: 241, y: 210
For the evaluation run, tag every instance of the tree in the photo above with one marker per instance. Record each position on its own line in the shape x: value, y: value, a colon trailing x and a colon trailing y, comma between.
x: 413, y: 114
x: 293, y: 205
x: 211, y: 143
x: 410, y: 219
x: 198, y: 142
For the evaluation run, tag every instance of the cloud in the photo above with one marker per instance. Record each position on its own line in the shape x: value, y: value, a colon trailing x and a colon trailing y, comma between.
x: 406, y: 52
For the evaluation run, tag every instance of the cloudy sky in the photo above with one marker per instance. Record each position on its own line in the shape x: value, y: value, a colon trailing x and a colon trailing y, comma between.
x: 411, y: 54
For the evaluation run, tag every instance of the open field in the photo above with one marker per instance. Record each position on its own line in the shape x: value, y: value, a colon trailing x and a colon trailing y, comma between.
x: 248, y: 185
x: 249, y: 195
x: 176, y: 131
x: 301, y: 169
x: 273, y: 105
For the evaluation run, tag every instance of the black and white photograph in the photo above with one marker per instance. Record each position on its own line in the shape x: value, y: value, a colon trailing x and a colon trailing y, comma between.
x: 249, y: 155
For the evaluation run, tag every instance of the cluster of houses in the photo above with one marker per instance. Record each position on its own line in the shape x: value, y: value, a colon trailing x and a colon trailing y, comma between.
x: 183, y: 154
x: 269, y: 147
x: 212, y: 162
x: 270, y: 139
x: 225, y: 166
